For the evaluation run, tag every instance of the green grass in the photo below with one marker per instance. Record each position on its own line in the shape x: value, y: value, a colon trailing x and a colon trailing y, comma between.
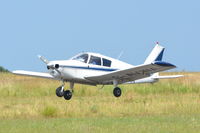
x: 139, y: 124
x: 49, y: 111
x: 169, y: 106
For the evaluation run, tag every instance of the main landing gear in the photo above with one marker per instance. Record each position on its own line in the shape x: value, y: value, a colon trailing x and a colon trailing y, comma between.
x: 117, y: 91
x: 60, y: 92
x: 67, y: 94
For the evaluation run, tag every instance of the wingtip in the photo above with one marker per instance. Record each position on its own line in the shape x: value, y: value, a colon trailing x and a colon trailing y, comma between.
x: 162, y: 63
x: 15, y: 71
x: 179, y: 76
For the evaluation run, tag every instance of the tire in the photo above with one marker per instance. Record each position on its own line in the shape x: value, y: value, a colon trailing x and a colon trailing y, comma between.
x: 59, y: 91
x: 67, y: 95
x: 117, y: 92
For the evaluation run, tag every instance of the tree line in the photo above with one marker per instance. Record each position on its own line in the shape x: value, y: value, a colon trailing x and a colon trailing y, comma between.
x: 2, y: 69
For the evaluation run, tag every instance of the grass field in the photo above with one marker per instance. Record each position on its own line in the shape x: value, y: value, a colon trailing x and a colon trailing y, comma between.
x: 30, y: 105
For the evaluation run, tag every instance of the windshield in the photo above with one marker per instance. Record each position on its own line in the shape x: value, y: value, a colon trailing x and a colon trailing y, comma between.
x: 82, y: 58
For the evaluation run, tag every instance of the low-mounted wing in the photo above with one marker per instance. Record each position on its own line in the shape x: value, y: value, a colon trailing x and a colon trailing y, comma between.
x: 131, y: 74
x: 33, y: 74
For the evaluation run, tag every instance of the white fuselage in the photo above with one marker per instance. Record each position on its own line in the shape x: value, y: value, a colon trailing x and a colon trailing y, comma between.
x: 76, y: 71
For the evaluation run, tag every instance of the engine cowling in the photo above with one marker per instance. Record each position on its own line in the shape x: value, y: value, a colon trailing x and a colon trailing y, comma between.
x: 55, y: 73
x: 56, y: 66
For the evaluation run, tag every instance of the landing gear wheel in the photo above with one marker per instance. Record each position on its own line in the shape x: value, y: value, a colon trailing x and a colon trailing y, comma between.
x: 67, y: 95
x: 117, y: 92
x: 60, y: 91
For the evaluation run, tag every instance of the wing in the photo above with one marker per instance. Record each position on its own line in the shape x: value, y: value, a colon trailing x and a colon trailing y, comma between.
x: 33, y: 74
x: 131, y: 74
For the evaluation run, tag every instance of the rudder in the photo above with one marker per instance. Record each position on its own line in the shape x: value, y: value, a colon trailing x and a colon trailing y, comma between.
x: 155, y: 55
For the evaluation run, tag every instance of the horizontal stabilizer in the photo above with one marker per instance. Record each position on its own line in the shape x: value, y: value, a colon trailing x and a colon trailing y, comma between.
x: 168, y: 77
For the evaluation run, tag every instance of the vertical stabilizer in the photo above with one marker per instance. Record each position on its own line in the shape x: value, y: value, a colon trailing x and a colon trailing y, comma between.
x: 155, y: 55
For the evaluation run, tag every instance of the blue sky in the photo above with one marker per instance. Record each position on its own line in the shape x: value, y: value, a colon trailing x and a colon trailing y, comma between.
x: 60, y: 29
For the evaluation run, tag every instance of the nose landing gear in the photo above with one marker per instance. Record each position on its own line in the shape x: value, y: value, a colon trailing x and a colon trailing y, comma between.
x: 67, y: 95
x: 60, y: 92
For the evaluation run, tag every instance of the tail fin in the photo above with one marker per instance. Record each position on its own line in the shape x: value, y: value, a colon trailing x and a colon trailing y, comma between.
x: 155, y: 55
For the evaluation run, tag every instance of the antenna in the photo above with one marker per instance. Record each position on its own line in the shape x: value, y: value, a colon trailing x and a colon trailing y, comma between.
x: 120, y: 55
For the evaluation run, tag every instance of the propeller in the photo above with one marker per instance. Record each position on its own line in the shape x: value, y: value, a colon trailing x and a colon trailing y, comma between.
x: 53, y: 67
x: 43, y: 59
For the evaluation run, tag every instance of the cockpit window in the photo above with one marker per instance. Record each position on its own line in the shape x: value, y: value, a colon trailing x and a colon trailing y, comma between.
x: 82, y: 58
x: 95, y: 60
x: 106, y: 62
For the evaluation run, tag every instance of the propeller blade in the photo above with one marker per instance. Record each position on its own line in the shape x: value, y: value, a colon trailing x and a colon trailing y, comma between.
x: 43, y: 59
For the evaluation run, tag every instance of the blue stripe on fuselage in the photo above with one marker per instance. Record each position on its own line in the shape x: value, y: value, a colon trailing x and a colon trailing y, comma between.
x: 91, y: 68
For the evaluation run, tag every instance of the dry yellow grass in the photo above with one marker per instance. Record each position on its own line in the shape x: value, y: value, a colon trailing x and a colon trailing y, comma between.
x: 26, y: 97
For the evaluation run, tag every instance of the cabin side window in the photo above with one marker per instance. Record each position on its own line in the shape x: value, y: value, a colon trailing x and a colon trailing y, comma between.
x: 95, y: 60
x: 106, y: 63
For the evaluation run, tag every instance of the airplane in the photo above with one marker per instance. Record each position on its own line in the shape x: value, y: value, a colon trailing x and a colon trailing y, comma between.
x: 96, y: 69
